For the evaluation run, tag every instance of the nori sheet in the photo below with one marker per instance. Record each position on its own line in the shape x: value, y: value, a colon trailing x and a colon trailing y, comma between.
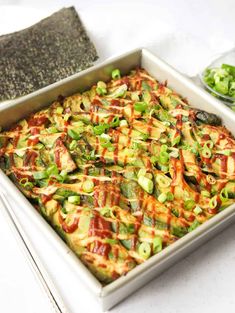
x: 54, y: 48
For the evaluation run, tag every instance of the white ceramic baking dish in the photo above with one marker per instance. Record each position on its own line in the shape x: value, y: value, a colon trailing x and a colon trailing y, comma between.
x: 116, y: 291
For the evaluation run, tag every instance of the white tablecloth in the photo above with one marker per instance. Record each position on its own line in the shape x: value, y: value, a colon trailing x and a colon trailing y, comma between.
x: 187, y: 34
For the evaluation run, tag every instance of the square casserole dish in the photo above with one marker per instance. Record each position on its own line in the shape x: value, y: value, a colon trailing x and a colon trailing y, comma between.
x: 13, y: 111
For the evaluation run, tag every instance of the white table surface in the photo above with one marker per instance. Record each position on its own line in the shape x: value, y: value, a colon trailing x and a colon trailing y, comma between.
x: 186, y: 34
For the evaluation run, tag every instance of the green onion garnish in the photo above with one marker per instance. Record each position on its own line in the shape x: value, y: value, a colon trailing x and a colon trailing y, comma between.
x: 194, y: 225
x: 140, y: 106
x: 224, y: 194
x: 206, y: 152
x: 52, y: 130
x: 197, y: 210
x: 52, y: 170
x: 115, y: 122
x: 40, y: 175
x: 144, y: 250
x: 176, y: 140
x: 170, y: 196
x: 73, y: 134
x: 74, y: 199
x: 73, y: 145
x: 164, y: 157
x: 146, y: 183
x: 88, y: 186
x: 205, y: 193
x: 101, y: 88
x: 189, y: 204
x: 157, y: 244
x: 100, y: 129
x: 59, y: 110
x: 116, y: 74
x: 209, y: 144
x: 162, y: 197
x: 163, y: 181
x: 213, y: 202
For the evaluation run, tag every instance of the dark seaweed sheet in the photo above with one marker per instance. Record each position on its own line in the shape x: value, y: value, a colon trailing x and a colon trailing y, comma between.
x: 54, y: 48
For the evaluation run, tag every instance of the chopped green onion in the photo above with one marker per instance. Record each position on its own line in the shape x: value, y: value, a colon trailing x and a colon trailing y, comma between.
x: 145, y: 85
x: 106, y: 212
x: 39, y: 146
x: 153, y: 159
x: 164, y: 148
x: 162, y: 197
x: 224, y: 194
x: 175, y: 212
x: 163, y: 140
x: 52, y: 130
x: 146, y: 96
x: 115, y: 122
x: 88, y: 186
x: 157, y: 244
x: 52, y: 170
x: 73, y: 145
x: 209, y: 144
x: 73, y: 134
x: 194, y: 225
x: 100, y: 129
x: 40, y: 175
x: 189, y: 204
x: 144, y: 250
x: 59, y: 110
x: 170, y: 196
x: 226, y: 152
x: 144, y: 136
x: 141, y: 172
x: 26, y: 184
x: 116, y: 74
x: 176, y: 140
x: 205, y: 193
x: 101, y: 88
x: 164, y: 157
x: 146, y: 183
x: 213, y: 202
x: 206, y: 152
x: 163, y: 181
x: 74, y: 199
x: 197, y: 210
x: 140, y: 106
x: 111, y: 241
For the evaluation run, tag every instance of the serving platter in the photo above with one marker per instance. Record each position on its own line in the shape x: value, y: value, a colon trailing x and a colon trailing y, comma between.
x: 11, y: 112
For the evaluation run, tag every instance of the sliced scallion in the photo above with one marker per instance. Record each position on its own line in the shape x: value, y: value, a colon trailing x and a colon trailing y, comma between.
x: 74, y: 199
x: 73, y: 134
x: 157, y: 244
x: 88, y: 186
x: 116, y: 74
x: 40, y: 175
x: 144, y: 250
x: 189, y: 204
x: 140, y: 106
x: 162, y: 197
x: 197, y: 210
x: 146, y: 183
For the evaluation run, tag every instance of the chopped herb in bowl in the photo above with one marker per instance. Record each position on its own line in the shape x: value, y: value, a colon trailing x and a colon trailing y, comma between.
x: 221, y: 82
